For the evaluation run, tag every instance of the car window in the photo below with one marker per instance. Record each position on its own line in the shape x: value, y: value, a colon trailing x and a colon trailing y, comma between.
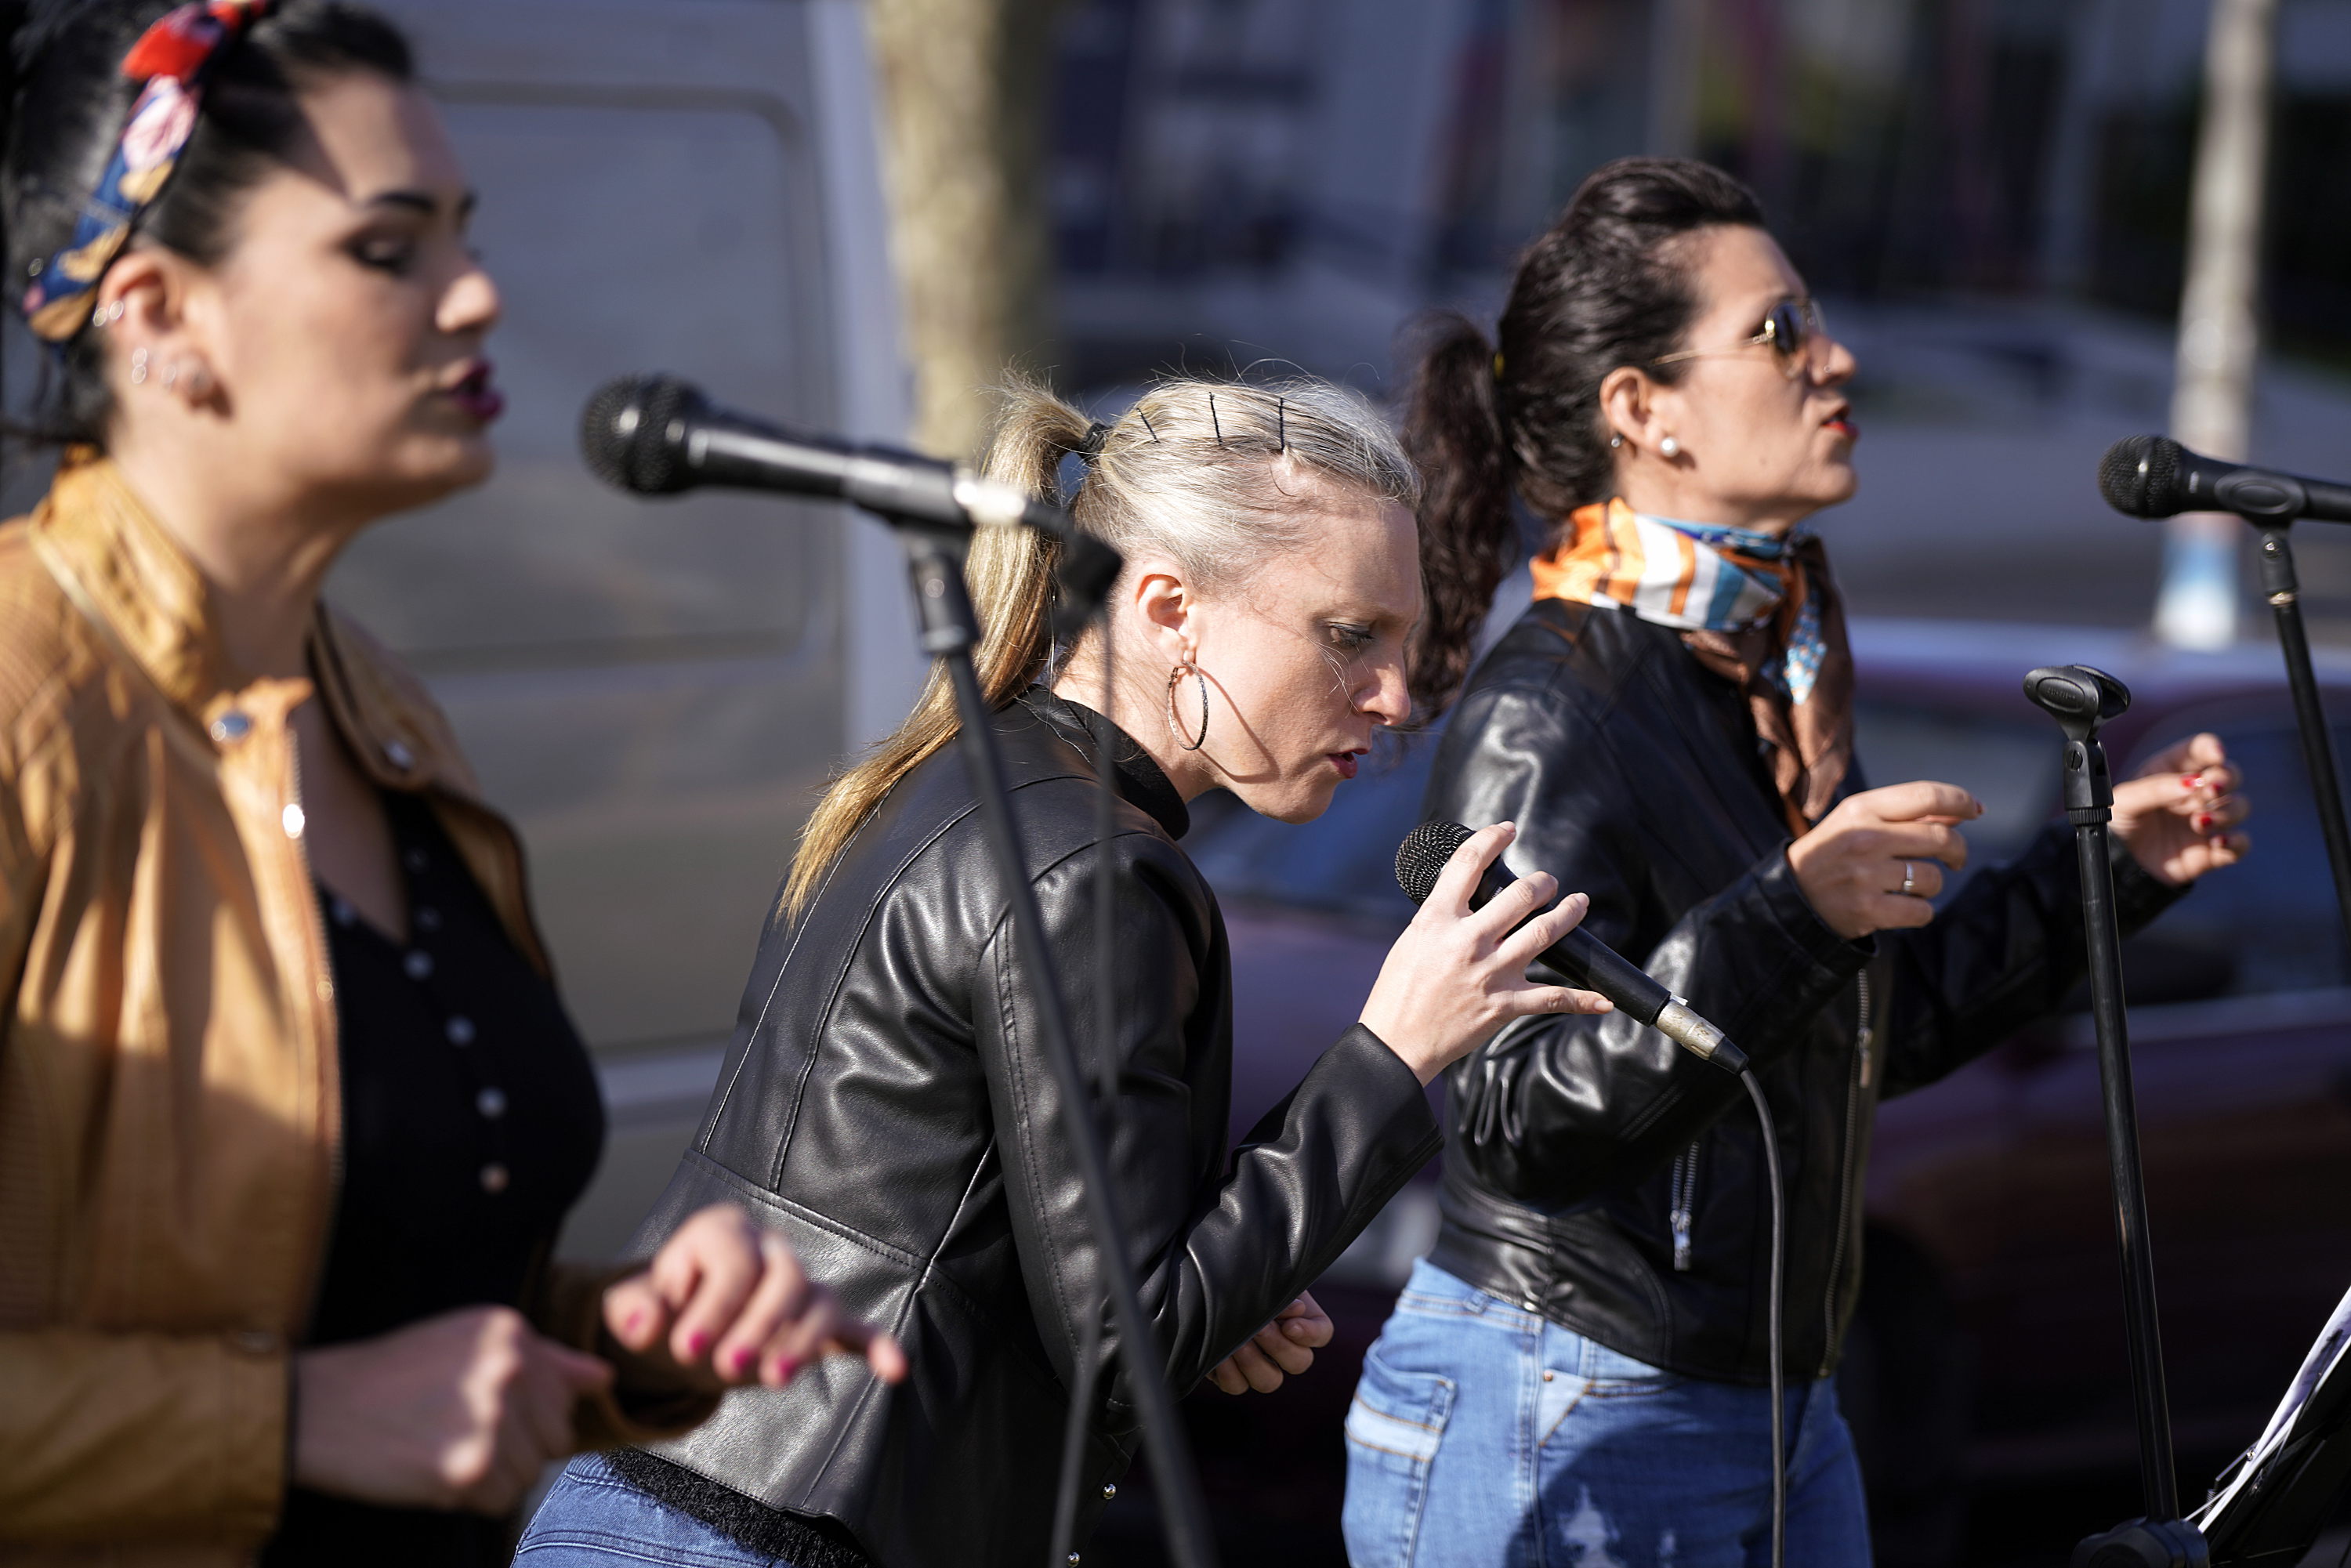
x: 1344, y: 861
x: 2273, y: 918
x: 2012, y: 766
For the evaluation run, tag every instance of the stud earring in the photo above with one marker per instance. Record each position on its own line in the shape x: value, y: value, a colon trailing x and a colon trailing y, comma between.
x: 1615, y: 442
x: 137, y: 365
x: 1670, y: 447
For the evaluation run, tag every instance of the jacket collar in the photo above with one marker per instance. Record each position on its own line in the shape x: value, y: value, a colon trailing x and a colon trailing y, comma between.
x: 1141, y: 780
x: 125, y: 572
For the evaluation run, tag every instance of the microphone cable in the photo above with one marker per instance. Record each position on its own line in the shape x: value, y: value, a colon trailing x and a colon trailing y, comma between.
x: 1779, y: 1267
x: 1080, y: 1424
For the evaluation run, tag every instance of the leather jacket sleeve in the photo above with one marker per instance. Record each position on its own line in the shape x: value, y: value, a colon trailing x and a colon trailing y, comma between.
x: 1552, y: 1108
x: 2004, y: 953
x: 1219, y: 1256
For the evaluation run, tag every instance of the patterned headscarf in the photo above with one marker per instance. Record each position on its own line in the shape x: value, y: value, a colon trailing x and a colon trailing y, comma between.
x: 1759, y: 610
x: 173, y: 58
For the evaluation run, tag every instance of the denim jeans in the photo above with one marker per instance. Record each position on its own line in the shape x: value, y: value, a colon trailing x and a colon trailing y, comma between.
x: 593, y: 1519
x: 1483, y: 1435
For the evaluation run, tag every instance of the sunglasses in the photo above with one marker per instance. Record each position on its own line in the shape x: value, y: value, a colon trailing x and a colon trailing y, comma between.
x: 1792, y: 329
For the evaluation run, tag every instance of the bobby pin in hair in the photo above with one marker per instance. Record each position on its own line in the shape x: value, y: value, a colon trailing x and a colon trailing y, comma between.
x: 1213, y: 424
x: 1281, y: 422
x: 1146, y: 425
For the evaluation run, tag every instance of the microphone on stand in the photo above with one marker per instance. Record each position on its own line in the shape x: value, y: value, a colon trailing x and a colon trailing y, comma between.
x: 658, y: 435
x: 1582, y: 958
x: 2155, y: 476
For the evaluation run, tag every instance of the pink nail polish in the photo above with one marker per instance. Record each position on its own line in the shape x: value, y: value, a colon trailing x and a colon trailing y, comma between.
x: 695, y: 1344
x: 743, y: 1361
x: 786, y: 1368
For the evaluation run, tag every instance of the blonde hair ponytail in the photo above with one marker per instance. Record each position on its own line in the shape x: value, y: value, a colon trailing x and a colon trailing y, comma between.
x: 1195, y: 470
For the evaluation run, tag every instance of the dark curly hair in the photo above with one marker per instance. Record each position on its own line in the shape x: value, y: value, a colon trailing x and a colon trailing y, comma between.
x: 1604, y: 286
x: 66, y: 100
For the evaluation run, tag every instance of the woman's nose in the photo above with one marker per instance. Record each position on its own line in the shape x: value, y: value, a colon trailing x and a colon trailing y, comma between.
x: 472, y: 302
x: 1390, y: 697
x: 1837, y: 365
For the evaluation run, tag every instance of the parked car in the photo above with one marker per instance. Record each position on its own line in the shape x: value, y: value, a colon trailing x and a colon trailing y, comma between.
x: 1989, y: 1343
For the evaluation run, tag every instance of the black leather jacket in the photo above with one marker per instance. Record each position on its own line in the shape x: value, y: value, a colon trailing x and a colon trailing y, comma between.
x: 1594, y: 1172
x: 885, y: 1105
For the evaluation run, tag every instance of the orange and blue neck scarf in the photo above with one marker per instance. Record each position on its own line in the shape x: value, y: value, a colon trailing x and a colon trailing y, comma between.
x: 173, y: 58
x: 1759, y: 610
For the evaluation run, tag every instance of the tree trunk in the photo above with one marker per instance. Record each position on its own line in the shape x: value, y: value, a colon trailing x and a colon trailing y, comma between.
x: 966, y: 85
x: 2220, y: 331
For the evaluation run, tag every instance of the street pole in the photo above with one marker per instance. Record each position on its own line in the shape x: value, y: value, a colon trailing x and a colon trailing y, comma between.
x: 2219, y: 332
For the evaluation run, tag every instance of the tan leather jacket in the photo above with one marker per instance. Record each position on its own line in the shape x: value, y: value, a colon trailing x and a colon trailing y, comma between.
x: 169, y: 1113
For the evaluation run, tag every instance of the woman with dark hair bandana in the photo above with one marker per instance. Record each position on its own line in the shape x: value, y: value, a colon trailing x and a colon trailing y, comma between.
x: 289, y: 1111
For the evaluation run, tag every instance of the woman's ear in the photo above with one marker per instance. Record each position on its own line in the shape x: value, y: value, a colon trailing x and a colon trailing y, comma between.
x: 1164, y: 604
x: 1629, y: 407
x: 143, y: 306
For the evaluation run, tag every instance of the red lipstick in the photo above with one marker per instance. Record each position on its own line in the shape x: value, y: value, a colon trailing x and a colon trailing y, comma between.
x: 476, y: 396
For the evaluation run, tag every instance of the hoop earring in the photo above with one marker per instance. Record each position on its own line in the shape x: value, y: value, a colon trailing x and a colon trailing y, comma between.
x: 1176, y: 674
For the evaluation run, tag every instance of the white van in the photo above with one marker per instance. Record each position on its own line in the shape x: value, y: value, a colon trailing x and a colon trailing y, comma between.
x: 654, y: 690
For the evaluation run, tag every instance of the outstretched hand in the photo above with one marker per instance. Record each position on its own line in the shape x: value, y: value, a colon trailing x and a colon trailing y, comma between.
x: 725, y: 1302
x: 1285, y: 1346
x: 1877, y: 861
x: 2179, y: 816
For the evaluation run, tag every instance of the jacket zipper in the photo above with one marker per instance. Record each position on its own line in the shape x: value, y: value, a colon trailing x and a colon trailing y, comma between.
x: 1685, y: 1206
x: 1863, y: 1036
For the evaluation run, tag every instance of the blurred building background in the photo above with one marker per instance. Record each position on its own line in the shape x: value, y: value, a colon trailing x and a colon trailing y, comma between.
x: 1991, y: 196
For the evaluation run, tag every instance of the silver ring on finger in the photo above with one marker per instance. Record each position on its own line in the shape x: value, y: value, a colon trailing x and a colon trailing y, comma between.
x: 1909, y: 880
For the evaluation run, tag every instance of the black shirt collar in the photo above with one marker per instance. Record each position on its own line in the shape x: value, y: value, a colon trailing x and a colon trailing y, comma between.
x: 1140, y: 779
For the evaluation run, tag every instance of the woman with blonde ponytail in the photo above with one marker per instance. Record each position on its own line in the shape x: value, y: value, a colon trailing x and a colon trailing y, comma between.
x: 885, y: 1104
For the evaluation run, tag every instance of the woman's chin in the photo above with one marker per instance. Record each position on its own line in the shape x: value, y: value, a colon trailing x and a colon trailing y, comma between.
x: 1295, y: 801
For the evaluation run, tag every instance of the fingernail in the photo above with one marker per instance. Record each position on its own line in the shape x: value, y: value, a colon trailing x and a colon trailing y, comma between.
x: 695, y: 1344
x: 2193, y: 781
x: 2203, y: 820
x: 743, y: 1361
x: 636, y: 1321
x: 786, y: 1368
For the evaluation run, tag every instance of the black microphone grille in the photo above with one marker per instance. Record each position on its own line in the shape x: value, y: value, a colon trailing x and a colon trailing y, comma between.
x: 1421, y: 858
x: 624, y: 433
x: 2140, y: 475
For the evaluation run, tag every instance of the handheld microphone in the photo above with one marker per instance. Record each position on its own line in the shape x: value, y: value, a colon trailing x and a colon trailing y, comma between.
x: 657, y: 435
x: 1583, y: 959
x: 2155, y: 476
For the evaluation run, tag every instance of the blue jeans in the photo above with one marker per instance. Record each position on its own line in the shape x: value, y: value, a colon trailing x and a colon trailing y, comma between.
x: 593, y: 1519
x: 1483, y: 1435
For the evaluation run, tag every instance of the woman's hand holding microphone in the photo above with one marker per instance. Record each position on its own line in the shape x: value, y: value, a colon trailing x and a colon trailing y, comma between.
x: 1457, y: 975
x: 465, y: 1410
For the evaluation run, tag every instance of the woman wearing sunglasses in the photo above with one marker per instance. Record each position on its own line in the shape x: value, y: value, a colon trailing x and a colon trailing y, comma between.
x: 1579, y: 1371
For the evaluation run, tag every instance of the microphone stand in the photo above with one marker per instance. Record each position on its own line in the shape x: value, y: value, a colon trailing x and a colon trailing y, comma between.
x: 2081, y: 699
x: 2284, y: 590
x: 949, y: 633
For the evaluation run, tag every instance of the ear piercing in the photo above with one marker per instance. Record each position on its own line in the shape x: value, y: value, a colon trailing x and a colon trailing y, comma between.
x: 199, y: 377
x: 1615, y: 442
x: 105, y: 314
x: 1669, y: 447
x: 137, y: 365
